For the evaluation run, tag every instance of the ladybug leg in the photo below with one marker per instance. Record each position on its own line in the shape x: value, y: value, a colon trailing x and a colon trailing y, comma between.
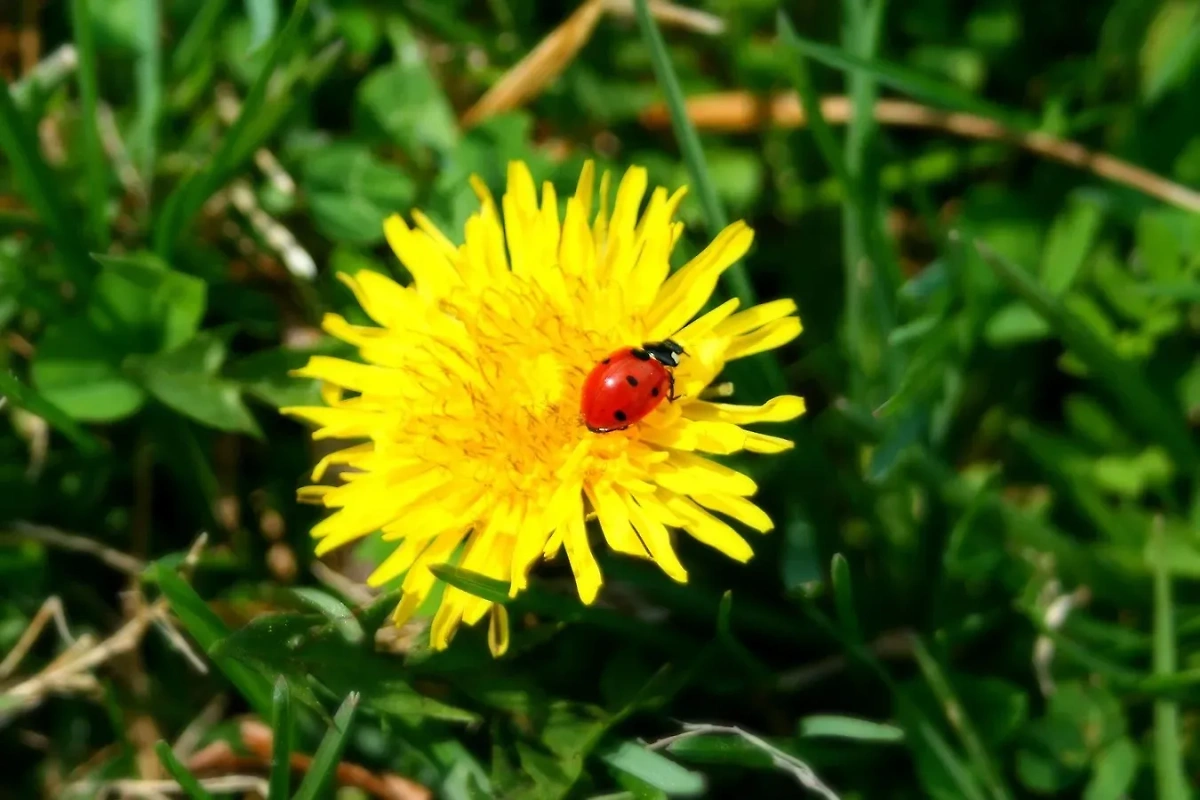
x: 671, y: 396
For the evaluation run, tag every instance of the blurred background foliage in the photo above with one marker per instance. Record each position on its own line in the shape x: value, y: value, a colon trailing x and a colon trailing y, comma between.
x: 982, y: 580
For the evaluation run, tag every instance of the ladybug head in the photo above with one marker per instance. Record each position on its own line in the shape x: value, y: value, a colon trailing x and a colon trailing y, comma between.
x: 665, y: 352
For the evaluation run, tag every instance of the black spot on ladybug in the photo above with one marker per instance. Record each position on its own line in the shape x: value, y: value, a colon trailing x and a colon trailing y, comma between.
x: 640, y: 354
x: 654, y: 392
x: 619, y: 415
x: 605, y: 361
x: 632, y: 381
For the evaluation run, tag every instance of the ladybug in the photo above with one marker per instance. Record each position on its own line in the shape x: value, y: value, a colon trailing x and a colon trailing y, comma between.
x: 627, y: 385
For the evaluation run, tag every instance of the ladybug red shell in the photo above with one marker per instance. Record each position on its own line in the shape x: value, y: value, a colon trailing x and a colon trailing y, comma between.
x: 627, y: 385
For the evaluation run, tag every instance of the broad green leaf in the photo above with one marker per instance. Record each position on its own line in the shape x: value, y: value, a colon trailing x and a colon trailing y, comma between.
x: 80, y: 373
x: 1171, y: 47
x: 839, y: 727
x: 1068, y: 244
x: 1114, y: 772
x: 300, y: 645
x: 406, y: 101
x: 1158, y: 248
x: 185, y: 379
x: 337, y: 612
x: 660, y: 772
x: 264, y: 18
x: 144, y: 305
x: 329, y: 753
x: 351, y: 192
x: 24, y: 397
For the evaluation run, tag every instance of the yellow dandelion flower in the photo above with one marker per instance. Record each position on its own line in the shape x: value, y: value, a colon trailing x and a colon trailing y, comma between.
x: 469, y: 397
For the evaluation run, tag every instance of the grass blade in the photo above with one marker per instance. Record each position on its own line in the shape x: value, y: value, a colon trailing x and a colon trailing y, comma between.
x: 186, y: 780
x: 27, y: 398
x: 843, y: 596
x: 196, y: 37
x: 958, y: 719
x: 208, y: 629
x: 89, y: 98
x: 40, y: 187
x: 862, y: 232
x: 473, y: 583
x: 1168, y: 749
x: 281, y: 748
x: 689, y: 144
x: 913, y: 83
x: 329, y: 753
x: 1157, y: 417
x: 187, y: 198
x: 149, y: 86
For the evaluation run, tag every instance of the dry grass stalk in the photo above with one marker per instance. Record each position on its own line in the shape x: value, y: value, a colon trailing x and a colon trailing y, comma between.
x: 538, y: 69
x: 741, y: 112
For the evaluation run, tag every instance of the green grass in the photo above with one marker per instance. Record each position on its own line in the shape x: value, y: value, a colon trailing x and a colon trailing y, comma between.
x: 982, y: 580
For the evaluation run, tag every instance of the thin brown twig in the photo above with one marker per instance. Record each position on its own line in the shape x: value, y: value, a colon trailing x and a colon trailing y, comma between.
x: 69, y: 671
x: 741, y: 112
x: 54, y: 537
x: 51, y: 610
x: 189, y: 740
x: 555, y: 52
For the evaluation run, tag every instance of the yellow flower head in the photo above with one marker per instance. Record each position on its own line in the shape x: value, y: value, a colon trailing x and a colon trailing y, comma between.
x: 469, y: 400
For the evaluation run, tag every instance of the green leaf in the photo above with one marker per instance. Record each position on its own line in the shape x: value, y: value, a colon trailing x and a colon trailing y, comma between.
x: 143, y: 305
x: 185, y: 379
x: 186, y: 780
x: 329, y: 753
x: 1158, y: 248
x: 350, y: 192
x: 281, y: 744
x: 1114, y: 773
x: 863, y: 730
x: 207, y: 629
x: 1152, y: 413
x: 77, y: 371
x: 406, y: 101
x: 337, y: 612
x: 660, y: 772
x: 300, y: 645
x: 40, y: 186
x: 1014, y: 324
x: 473, y: 583
x: 24, y: 397
x: 1171, y: 47
x: 264, y: 18
x: 689, y: 142
x: 1069, y: 242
